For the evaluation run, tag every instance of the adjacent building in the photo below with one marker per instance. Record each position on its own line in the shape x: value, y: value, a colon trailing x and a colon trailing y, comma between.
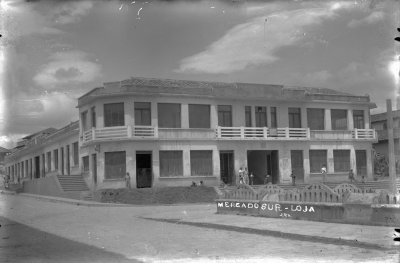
x: 173, y: 132
x: 48, y: 152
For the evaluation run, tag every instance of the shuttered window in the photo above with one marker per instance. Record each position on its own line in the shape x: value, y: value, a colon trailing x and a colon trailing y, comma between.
x: 114, y: 114
x: 341, y: 160
x: 199, y: 116
x: 171, y: 163
x: 169, y: 115
x: 339, y: 119
x: 201, y: 163
x: 115, y: 165
x: 316, y: 119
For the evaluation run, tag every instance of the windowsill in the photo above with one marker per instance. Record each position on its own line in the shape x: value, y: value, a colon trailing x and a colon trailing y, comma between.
x: 114, y: 180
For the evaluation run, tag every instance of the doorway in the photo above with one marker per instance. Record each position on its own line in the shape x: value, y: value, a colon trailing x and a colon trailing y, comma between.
x: 261, y: 163
x: 227, y: 167
x: 94, y: 168
x: 37, y: 167
x: 144, y: 173
x: 297, y: 162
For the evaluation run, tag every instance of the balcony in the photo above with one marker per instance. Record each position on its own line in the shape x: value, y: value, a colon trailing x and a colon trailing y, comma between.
x: 222, y: 133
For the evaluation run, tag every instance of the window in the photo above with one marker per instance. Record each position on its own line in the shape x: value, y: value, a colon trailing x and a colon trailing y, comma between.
x: 201, y: 163
x: 93, y: 116
x: 171, y: 163
x: 341, y: 160
x: 225, y: 115
x: 75, y: 148
x: 22, y: 169
x: 294, y: 118
x: 169, y: 115
x: 55, y: 152
x: 143, y: 113
x: 339, y: 119
x: 85, y: 164
x: 114, y: 114
x: 199, y: 116
x: 316, y: 119
x: 247, y: 114
x: 317, y: 160
x: 358, y: 119
x: 261, y: 116
x: 48, y: 161
x: 274, y: 122
x: 115, y: 165
x: 26, y: 168
x: 84, y: 120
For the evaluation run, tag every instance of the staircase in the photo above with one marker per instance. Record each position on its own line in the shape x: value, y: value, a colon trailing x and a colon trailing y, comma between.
x: 72, y: 183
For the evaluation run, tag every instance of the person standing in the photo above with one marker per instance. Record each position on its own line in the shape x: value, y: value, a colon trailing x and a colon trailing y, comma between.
x: 293, y: 178
x: 241, y: 176
x: 323, y: 172
x: 251, y: 178
x: 128, y: 181
x: 246, y: 176
x: 351, y: 176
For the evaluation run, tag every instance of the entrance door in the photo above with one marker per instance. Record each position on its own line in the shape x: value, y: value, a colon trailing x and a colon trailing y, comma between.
x: 37, y: 167
x: 94, y: 168
x: 297, y: 164
x: 261, y: 163
x: 144, y: 173
x: 361, y: 162
x: 68, y: 163
x: 226, y: 167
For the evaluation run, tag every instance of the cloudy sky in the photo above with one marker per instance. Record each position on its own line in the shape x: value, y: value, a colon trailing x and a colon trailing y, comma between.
x: 52, y: 52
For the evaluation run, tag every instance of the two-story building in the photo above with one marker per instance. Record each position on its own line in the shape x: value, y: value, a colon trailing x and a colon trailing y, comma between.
x: 172, y: 132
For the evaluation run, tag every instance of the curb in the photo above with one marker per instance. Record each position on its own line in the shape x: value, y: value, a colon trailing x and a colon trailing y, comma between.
x: 279, y: 234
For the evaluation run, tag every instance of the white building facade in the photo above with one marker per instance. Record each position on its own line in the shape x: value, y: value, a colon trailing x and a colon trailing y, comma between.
x: 173, y: 132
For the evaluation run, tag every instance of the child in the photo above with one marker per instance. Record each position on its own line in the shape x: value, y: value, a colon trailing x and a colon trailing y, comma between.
x: 351, y: 176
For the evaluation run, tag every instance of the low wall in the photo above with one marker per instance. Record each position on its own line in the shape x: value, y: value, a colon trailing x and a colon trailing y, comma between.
x: 43, y: 186
x: 367, y: 214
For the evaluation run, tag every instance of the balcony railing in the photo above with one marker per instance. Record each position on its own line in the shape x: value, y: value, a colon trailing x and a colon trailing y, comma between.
x: 228, y: 133
x: 262, y: 133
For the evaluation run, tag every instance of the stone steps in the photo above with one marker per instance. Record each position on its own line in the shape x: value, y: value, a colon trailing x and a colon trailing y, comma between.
x: 72, y: 183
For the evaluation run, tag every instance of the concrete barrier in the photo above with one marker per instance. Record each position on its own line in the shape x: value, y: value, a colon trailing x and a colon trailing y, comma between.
x: 353, y: 213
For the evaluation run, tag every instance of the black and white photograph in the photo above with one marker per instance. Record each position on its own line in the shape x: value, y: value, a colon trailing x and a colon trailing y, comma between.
x: 191, y: 131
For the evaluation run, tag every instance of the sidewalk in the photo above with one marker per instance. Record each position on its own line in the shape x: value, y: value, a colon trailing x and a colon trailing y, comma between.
x: 201, y: 215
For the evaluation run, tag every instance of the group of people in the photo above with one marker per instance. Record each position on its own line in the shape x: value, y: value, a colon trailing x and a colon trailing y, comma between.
x: 244, y: 177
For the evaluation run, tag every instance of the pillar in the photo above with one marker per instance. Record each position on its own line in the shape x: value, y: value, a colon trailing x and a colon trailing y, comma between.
x: 353, y: 164
x: 330, y: 165
x: 186, y: 162
x: 214, y: 116
x: 366, y: 119
x: 185, y: 116
x: 129, y: 113
x: 154, y: 114
x: 216, y: 165
x: 350, y: 121
x: 304, y: 120
x: 306, y: 165
x: 285, y: 165
x: 328, y: 121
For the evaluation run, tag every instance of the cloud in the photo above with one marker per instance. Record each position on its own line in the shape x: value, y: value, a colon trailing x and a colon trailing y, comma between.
x: 70, y: 67
x: 256, y: 41
x: 372, y: 18
x: 71, y: 12
x: 312, y: 79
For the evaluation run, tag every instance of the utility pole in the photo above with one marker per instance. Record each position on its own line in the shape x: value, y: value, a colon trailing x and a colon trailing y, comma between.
x: 398, y: 84
x: 392, y: 167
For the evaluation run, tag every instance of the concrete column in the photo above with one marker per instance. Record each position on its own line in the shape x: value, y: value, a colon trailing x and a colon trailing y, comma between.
x: 304, y: 121
x: 392, y: 165
x: 186, y: 162
x: 282, y: 117
x: 154, y: 114
x: 41, y: 165
x: 100, y: 115
x: 130, y: 165
x: 350, y: 120
x: 328, y: 121
x: 52, y: 168
x: 353, y: 164
x: 156, y: 166
x: 185, y: 116
x: 129, y: 112
x: 370, y: 160
x: 238, y: 115
x: 240, y: 156
x: 330, y: 165
x: 366, y: 119
x: 59, y: 161
x: 306, y: 165
x: 214, y: 116
x: 216, y: 165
